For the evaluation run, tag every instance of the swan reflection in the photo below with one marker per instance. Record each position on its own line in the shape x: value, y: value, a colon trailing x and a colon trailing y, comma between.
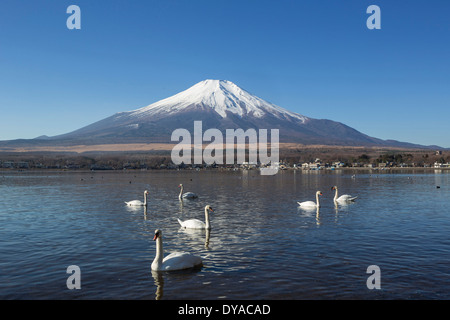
x: 159, y: 283
x: 197, y: 234
x: 309, y: 211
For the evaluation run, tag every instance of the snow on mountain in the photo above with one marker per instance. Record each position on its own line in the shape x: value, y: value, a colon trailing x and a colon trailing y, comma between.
x: 218, y: 104
x: 220, y: 95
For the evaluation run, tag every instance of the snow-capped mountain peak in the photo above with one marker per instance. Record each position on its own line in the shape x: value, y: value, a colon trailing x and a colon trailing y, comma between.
x: 220, y: 95
x: 221, y: 105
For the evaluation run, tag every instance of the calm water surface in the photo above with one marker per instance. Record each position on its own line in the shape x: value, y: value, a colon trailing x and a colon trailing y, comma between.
x: 261, y: 246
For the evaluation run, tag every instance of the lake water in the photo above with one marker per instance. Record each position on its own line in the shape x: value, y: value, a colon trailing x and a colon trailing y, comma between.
x: 261, y: 246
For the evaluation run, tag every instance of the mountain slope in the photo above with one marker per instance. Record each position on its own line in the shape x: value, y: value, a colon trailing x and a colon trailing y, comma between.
x: 218, y: 104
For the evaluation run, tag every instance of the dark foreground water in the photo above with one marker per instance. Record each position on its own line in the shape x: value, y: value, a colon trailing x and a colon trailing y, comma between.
x: 261, y: 246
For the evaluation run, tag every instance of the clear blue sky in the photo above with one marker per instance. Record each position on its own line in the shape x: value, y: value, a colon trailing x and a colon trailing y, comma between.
x: 314, y: 57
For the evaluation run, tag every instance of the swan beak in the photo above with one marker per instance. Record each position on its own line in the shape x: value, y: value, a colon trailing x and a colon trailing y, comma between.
x: 211, y: 209
x: 155, y: 237
x: 321, y: 194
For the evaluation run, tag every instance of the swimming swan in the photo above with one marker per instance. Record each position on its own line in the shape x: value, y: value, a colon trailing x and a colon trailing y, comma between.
x: 175, y: 260
x: 197, y: 224
x: 138, y: 202
x: 311, y: 204
x: 187, y: 195
x: 343, y: 198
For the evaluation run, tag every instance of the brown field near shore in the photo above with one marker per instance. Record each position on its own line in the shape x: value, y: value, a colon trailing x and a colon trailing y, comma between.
x: 139, y: 147
x: 92, y: 148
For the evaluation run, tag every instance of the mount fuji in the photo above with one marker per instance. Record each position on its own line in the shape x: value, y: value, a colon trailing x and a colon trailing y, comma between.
x: 219, y: 104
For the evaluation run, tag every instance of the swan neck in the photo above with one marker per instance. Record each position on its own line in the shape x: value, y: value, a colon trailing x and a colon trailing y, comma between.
x: 207, y: 225
x: 145, y: 198
x: 181, y: 192
x: 317, y: 199
x: 335, y: 194
x: 157, y: 262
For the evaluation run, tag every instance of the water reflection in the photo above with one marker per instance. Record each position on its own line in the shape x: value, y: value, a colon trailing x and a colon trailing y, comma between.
x: 181, y: 207
x: 173, y: 279
x: 207, y: 236
x: 321, y: 213
x: 135, y: 209
x: 159, y: 283
x: 309, y: 212
x: 145, y: 213
x: 197, y: 234
x: 336, y: 208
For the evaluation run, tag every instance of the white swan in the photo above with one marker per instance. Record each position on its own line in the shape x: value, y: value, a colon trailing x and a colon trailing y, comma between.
x: 344, y: 198
x: 187, y: 195
x: 311, y: 204
x: 197, y: 224
x: 138, y: 202
x: 175, y: 260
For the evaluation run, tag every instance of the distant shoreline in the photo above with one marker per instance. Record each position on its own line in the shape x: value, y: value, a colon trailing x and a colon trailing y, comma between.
x: 344, y: 169
x: 291, y: 157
